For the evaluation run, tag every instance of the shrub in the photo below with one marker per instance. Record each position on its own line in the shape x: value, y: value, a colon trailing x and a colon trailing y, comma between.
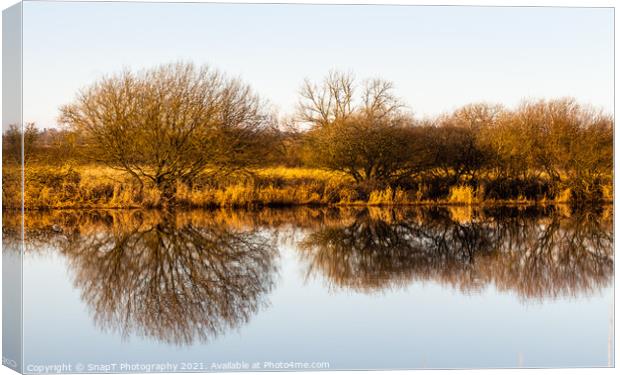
x: 503, y: 188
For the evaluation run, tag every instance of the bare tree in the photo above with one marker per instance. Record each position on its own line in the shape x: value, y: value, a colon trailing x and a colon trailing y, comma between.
x: 457, y: 141
x: 329, y: 102
x: 168, y: 124
x: 366, y: 136
x: 15, y: 140
x: 561, y: 140
x: 335, y: 99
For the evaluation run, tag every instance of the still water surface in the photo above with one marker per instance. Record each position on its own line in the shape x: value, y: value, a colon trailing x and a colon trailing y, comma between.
x: 355, y: 288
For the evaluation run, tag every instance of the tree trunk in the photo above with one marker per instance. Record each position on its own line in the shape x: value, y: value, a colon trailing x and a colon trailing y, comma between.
x: 168, y: 190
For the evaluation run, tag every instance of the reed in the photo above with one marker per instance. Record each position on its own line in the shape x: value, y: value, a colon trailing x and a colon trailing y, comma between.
x: 93, y: 186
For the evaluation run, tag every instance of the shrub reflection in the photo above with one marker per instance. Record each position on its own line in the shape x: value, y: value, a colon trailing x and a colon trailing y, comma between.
x: 535, y: 252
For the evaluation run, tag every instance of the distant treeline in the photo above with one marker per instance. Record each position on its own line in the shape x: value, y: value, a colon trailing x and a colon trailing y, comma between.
x: 179, y: 124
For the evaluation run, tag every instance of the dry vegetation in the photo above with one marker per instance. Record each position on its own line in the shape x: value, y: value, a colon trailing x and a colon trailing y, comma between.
x: 92, y: 186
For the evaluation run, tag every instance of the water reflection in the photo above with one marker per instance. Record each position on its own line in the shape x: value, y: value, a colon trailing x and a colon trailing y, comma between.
x: 537, y: 253
x: 190, y: 276
x: 168, y: 277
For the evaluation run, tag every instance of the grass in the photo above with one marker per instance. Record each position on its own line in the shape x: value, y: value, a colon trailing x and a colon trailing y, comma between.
x: 463, y: 194
x: 95, y: 186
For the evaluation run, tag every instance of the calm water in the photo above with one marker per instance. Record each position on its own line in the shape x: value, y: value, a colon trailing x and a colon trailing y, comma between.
x: 354, y: 288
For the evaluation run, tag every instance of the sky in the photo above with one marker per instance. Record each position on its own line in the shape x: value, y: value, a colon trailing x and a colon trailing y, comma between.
x: 439, y: 58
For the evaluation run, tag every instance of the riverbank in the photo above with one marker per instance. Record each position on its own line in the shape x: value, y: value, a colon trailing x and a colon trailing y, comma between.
x: 105, y: 188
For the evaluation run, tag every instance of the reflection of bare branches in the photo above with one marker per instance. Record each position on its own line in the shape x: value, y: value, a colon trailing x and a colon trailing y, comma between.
x: 536, y: 254
x: 155, y: 276
x: 376, y: 252
x: 561, y: 256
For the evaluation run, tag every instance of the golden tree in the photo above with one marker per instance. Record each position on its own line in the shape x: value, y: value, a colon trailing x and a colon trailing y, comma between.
x: 166, y: 125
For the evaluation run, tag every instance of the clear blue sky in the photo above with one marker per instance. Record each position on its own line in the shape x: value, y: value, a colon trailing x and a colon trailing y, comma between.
x: 439, y: 57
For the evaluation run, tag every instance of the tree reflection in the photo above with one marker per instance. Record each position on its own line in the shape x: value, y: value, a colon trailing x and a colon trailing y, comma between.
x: 170, y: 278
x: 190, y: 276
x: 538, y: 253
